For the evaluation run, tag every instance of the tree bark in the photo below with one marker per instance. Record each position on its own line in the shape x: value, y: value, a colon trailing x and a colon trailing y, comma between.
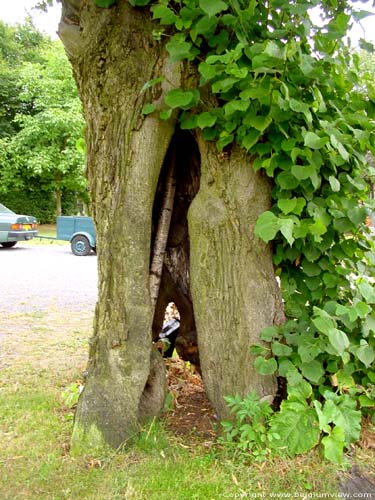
x: 235, y: 294
x: 233, y: 287
x: 113, y: 55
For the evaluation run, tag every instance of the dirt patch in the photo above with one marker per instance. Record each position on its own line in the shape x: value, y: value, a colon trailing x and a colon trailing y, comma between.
x: 192, y: 414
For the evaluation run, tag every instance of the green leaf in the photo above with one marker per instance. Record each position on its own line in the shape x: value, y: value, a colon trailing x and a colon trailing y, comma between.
x: 178, y: 48
x: 302, y: 172
x: 313, y: 141
x: 258, y: 121
x: 267, y: 226
x: 148, y: 108
x: 178, y: 98
x: 339, y: 340
x: 279, y: 349
x: 206, y: 119
x: 189, y: 121
x: 288, y: 205
x: 250, y: 139
x: 297, y: 426
x: 265, y: 366
x: 211, y: 7
x: 166, y: 15
x: 269, y: 333
x: 323, y: 321
x: 334, y: 445
x: 367, y: 292
x: 299, y: 392
x: 335, y: 184
x: 366, y: 354
x: 208, y: 71
x: 286, y: 228
x: 308, y: 348
x: 366, y: 402
x: 312, y: 370
x: 165, y: 114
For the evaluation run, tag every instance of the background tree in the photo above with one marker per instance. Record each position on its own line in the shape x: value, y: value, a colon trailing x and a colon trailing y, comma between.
x: 44, y: 123
x: 276, y: 152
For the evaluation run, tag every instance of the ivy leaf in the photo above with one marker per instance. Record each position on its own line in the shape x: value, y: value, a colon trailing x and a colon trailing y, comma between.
x: 267, y: 226
x: 211, y: 7
x: 279, y: 349
x: 312, y: 370
x: 366, y: 402
x: 286, y: 228
x: 334, y: 445
x: 308, y: 348
x: 287, y: 205
x: 208, y: 71
x: 269, y: 333
x: 265, y: 366
x: 166, y: 15
x: 165, y: 114
x: 250, y: 139
x: 148, y: 109
x: 340, y: 148
x: 178, y: 48
x: 206, y: 119
x: 178, y: 98
x: 297, y: 426
x: 313, y: 141
x: 367, y: 292
x: 258, y: 121
x: 323, y: 321
x: 302, y: 172
x: 366, y: 354
x: 335, y: 184
x: 339, y: 340
x: 343, y: 413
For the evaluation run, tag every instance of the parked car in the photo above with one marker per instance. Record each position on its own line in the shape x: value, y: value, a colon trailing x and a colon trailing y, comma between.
x: 14, y: 227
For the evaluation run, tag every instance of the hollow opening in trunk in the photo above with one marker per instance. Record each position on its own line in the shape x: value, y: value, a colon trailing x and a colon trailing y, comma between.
x: 174, y: 311
x: 175, y: 278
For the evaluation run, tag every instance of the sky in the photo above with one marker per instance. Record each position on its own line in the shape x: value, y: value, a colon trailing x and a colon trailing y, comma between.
x: 14, y: 11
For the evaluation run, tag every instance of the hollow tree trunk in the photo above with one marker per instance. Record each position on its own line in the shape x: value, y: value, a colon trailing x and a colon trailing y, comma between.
x: 113, y: 55
x: 234, y: 290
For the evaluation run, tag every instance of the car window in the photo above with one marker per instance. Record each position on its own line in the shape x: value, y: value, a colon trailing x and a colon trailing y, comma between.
x: 5, y: 210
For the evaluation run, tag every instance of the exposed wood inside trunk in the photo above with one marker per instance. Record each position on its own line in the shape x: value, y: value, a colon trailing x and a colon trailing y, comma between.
x: 175, y: 282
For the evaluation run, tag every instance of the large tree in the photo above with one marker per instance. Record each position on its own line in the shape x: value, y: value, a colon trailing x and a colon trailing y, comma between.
x: 221, y: 106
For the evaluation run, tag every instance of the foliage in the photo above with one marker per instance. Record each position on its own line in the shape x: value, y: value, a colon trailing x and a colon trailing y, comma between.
x: 290, y: 93
x: 39, y: 153
x: 17, y: 45
x: 249, y: 433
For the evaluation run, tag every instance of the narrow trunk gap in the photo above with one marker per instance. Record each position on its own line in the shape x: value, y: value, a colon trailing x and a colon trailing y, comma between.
x: 191, y: 408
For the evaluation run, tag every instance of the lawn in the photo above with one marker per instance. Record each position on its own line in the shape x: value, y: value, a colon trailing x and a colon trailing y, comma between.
x: 41, y: 356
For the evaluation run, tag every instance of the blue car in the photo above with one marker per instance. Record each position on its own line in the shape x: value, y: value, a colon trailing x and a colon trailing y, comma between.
x: 14, y: 227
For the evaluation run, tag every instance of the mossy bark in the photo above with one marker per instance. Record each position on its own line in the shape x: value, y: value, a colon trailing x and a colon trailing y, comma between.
x: 234, y: 290
x: 113, y: 55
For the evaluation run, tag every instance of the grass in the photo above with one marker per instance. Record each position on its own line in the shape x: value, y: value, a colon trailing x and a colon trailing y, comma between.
x: 48, y: 231
x: 35, y: 428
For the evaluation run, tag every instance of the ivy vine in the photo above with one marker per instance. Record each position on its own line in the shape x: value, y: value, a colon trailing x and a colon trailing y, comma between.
x: 289, y: 93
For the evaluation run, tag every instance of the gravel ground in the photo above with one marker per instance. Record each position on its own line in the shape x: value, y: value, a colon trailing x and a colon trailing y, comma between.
x: 39, y: 277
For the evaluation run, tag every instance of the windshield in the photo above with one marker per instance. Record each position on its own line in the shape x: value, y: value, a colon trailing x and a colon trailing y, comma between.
x: 5, y: 210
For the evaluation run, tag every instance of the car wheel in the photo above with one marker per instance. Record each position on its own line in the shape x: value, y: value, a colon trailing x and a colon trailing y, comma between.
x: 8, y: 244
x: 80, y: 246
